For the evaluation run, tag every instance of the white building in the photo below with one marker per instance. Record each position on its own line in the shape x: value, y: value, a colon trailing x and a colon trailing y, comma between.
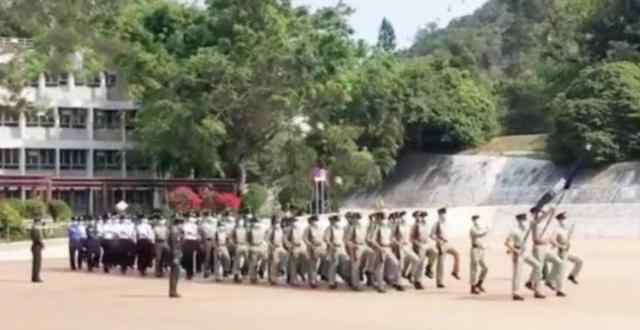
x: 81, y: 147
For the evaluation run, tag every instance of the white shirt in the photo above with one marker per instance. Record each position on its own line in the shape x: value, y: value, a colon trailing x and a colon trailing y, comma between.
x: 126, y: 230
x: 83, y: 231
x: 517, y: 235
x: 190, y: 231
x: 443, y: 227
x: 109, y: 230
x: 145, y: 231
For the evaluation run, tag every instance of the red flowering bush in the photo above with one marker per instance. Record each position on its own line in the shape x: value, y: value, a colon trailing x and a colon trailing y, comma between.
x: 209, y: 199
x: 183, y: 199
x: 227, y: 200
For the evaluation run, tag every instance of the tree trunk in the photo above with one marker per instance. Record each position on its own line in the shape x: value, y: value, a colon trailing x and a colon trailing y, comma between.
x: 242, y: 166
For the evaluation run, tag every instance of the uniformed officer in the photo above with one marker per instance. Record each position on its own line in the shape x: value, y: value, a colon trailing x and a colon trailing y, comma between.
x: 401, y: 239
x: 316, y: 250
x: 145, y: 246
x: 356, y: 241
x: 540, y: 247
x: 190, y: 246
x: 93, y: 246
x: 207, y: 231
x: 562, y: 241
x: 382, y: 240
x: 334, y: 238
x: 176, y: 239
x: 515, y: 244
x: 37, y: 245
x: 240, y: 247
x: 82, y: 244
x: 372, y: 257
x: 297, y: 253
x: 127, y: 244
x: 161, y: 245
x: 477, y: 234
x: 109, y: 245
x: 257, y: 248
x: 73, y: 232
x: 221, y: 242
x: 277, y: 253
x: 423, y: 245
x: 441, y: 235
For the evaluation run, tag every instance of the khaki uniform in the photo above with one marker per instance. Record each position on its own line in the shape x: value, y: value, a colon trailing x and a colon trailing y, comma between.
x: 517, y: 238
x: 37, y: 245
x: 477, y: 235
x: 542, y: 253
x: 297, y: 253
x: 176, y: 240
x: 207, y: 232
x: 316, y: 251
x: 423, y: 246
x: 440, y: 232
x: 383, y: 237
x: 257, y: 249
x: 221, y: 243
x: 161, y: 233
x: 360, y: 251
x: 277, y: 253
x: 561, y: 239
x: 241, y: 249
x: 372, y: 258
x: 407, y: 258
x: 334, y: 237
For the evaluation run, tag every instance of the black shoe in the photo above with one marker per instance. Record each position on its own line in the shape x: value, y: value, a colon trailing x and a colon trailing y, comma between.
x: 456, y: 276
x: 573, y: 279
x: 418, y: 286
x: 480, y: 287
x: 550, y: 286
x: 538, y: 296
x: 237, y: 279
x: 560, y: 294
x: 313, y: 286
x: 369, y: 277
x: 398, y: 287
x: 174, y: 295
x: 356, y: 288
x: 37, y: 281
x: 380, y: 289
x: 440, y: 286
x: 474, y: 290
x: 206, y: 275
x: 529, y: 285
x: 429, y: 273
x: 518, y: 298
x: 333, y: 287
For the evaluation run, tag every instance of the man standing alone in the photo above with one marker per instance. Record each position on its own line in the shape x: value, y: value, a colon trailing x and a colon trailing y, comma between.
x: 37, y: 245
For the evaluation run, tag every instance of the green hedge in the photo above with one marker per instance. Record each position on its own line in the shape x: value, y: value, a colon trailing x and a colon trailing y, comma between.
x: 10, y: 219
x: 255, y: 197
x: 60, y: 210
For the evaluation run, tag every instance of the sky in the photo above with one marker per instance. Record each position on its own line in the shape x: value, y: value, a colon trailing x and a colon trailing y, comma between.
x: 407, y: 16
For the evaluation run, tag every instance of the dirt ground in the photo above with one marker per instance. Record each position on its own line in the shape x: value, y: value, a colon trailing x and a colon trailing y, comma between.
x: 606, y: 298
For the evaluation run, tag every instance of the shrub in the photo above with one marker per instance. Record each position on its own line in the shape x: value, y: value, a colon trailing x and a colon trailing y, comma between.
x: 60, y: 210
x: 183, y: 199
x: 34, y: 208
x: 255, y: 197
x: 10, y: 219
x: 228, y: 200
x: 16, y: 204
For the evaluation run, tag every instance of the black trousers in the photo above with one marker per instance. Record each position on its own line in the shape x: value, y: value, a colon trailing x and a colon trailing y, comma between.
x: 189, y: 249
x: 174, y: 274
x: 126, y: 254
x: 75, y: 247
x: 145, y: 252
x: 36, y: 263
x: 93, y: 253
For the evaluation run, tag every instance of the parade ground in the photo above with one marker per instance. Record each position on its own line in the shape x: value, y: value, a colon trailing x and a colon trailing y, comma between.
x: 607, y: 298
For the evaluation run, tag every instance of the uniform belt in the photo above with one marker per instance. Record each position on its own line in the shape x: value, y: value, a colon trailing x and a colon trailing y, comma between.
x: 476, y: 246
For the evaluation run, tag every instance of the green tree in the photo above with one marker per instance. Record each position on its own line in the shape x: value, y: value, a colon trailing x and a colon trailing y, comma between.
x: 387, y: 36
x: 601, y: 107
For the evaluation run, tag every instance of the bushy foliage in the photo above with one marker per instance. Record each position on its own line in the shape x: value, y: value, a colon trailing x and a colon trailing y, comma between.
x: 183, y: 199
x: 602, y: 108
x: 60, y: 210
x: 255, y: 197
x: 9, y: 217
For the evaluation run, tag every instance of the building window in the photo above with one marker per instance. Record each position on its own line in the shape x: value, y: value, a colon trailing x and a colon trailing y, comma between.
x: 63, y: 79
x: 130, y: 120
x: 95, y: 81
x: 41, y: 159
x: 107, y: 160
x: 73, y: 159
x: 9, y: 118
x: 40, y: 119
x: 73, y: 117
x: 9, y: 159
x: 111, y: 79
x: 106, y: 119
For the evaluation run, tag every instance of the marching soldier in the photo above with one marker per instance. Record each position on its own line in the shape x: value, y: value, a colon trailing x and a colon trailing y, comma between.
x: 277, y: 253
x: 145, y: 246
x: 401, y: 238
x: 161, y: 234
x: 37, y: 245
x: 207, y: 232
x: 334, y: 238
x: 441, y: 235
x: 423, y: 246
x: 515, y: 244
x: 382, y: 239
x: 540, y: 249
x: 127, y: 244
x: 562, y: 241
x: 82, y: 244
x: 241, y: 250
x: 356, y: 241
x: 315, y: 249
x: 176, y: 239
x: 73, y: 232
x: 373, y: 257
x: 221, y: 243
x: 190, y: 246
x: 297, y: 253
x: 109, y: 245
x: 257, y: 248
x: 93, y: 246
x: 477, y: 233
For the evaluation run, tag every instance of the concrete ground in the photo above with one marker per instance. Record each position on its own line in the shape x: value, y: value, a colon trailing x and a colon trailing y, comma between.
x: 606, y: 299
